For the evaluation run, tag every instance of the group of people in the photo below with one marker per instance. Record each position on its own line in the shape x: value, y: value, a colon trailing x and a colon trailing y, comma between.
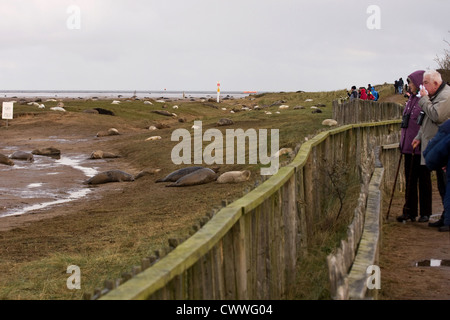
x: 398, y: 86
x: 425, y: 145
x: 364, y: 94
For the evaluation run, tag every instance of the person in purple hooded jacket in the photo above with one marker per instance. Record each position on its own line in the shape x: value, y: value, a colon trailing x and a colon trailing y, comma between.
x: 416, y: 174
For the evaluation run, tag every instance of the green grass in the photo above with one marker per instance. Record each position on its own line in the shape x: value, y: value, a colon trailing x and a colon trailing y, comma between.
x: 327, y: 233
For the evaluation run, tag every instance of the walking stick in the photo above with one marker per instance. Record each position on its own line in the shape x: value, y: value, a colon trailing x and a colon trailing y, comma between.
x: 395, y: 182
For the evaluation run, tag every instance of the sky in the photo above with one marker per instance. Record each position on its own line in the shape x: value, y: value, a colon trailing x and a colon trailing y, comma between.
x: 191, y: 45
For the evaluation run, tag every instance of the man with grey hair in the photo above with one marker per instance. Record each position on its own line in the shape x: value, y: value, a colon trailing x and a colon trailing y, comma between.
x: 435, y: 104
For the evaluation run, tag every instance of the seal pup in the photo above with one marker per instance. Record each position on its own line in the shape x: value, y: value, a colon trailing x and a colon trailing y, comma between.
x: 110, y: 176
x: 21, y: 155
x: 109, y: 132
x: 146, y: 172
x: 153, y: 138
x: 234, y: 176
x: 99, y: 154
x: 282, y: 151
x: 6, y: 160
x: 201, y: 176
x: 329, y: 122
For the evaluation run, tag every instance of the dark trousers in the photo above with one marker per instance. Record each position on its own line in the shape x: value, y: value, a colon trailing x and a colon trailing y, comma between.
x: 442, y: 184
x: 418, y: 187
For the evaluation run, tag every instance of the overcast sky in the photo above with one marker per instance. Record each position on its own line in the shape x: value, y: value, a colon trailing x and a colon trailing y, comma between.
x: 257, y: 45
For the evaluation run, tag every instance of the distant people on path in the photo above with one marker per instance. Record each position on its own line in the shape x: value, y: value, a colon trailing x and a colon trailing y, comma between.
x: 400, y: 85
x: 437, y: 155
x: 354, y: 94
x: 375, y: 94
x: 417, y: 175
x: 396, y: 86
x: 363, y: 94
x: 435, y: 104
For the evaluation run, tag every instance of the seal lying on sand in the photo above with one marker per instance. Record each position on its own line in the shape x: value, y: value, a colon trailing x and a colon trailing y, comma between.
x: 234, y: 176
x: 146, y: 172
x: 174, y: 176
x: 5, y: 160
x: 110, y: 176
x: 200, y: 176
x: 51, y: 152
x: 99, y: 154
x: 21, y: 155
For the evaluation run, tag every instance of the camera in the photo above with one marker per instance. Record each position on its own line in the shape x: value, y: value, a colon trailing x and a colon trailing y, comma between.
x: 405, y: 121
x: 420, y: 118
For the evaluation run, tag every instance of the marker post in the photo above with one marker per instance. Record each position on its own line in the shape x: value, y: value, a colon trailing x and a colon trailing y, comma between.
x: 218, y: 92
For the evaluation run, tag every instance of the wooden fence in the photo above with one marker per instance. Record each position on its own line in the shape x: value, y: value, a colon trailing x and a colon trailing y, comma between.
x: 360, y: 111
x: 250, y: 248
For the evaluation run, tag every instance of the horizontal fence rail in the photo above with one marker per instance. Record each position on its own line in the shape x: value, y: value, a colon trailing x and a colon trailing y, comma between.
x: 361, y: 111
x: 250, y: 248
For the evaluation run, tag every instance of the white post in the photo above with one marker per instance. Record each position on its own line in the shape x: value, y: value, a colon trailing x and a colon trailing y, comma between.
x: 218, y: 91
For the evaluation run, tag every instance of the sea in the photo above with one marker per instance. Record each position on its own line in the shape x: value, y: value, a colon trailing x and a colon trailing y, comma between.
x: 102, y: 94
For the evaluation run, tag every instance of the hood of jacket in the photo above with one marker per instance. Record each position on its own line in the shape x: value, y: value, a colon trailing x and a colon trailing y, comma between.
x: 417, y: 78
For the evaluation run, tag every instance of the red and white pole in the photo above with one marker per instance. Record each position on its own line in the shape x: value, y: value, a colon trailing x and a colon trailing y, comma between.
x: 218, y: 91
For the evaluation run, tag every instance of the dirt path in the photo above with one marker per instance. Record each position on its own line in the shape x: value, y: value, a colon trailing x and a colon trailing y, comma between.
x: 406, y: 244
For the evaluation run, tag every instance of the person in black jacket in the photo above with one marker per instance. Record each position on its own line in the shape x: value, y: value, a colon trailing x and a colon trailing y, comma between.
x: 400, y: 86
x: 354, y: 94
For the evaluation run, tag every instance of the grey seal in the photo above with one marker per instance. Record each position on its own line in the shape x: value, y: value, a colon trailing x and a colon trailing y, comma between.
x: 201, y: 176
x: 6, y: 160
x: 50, y: 152
x: 21, y: 155
x: 177, y: 174
x: 99, y: 154
x: 110, y: 176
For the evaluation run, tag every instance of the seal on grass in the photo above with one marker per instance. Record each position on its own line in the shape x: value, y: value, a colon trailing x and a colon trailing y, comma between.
x: 110, y: 176
x: 109, y: 132
x: 234, y: 176
x: 21, y: 155
x: 201, y: 176
x: 5, y: 160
